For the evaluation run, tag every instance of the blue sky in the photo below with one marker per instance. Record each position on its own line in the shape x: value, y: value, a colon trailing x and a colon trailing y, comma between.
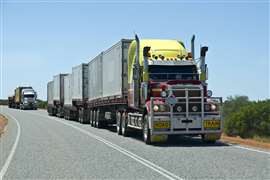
x: 43, y: 39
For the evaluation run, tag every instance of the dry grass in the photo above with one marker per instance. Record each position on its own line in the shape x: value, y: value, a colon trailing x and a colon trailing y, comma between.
x: 3, y: 123
x: 258, y: 142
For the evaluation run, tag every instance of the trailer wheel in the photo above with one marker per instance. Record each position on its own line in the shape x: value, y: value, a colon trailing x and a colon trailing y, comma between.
x: 81, y: 120
x: 124, y: 125
x: 66, y: 114
x: 85, y: 116
x: 98, y: 123
x: 118, y: 123
x: 79, y: 116
x: 92, y: 118
x: 69, y: 113
x: 146, y: 130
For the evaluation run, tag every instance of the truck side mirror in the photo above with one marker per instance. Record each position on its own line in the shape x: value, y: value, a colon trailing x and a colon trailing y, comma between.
x: 146, y: 50
x: 209, y: 93
x: 146, y: 54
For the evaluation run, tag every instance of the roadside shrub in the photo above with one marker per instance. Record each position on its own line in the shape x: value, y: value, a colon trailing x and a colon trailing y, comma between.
x: 41, y: 104
x: 246, y: 118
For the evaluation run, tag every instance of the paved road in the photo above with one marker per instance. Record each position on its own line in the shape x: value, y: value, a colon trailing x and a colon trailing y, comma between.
x: 37, y: 146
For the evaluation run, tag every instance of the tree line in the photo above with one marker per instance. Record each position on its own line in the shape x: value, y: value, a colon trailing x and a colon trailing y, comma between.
x: 246, y: 118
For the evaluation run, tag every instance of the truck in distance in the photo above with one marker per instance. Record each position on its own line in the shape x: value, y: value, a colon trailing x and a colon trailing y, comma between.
x: 24, y: 98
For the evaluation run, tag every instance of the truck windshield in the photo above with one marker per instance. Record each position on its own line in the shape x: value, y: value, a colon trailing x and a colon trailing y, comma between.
x: 160, y: 73
x: 29, y: 95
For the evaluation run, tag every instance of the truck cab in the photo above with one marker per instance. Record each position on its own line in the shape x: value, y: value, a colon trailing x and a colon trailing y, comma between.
x: 28, y: 99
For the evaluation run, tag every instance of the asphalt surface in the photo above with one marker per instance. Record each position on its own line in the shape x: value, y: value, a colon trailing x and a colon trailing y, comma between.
x: 37, y: 146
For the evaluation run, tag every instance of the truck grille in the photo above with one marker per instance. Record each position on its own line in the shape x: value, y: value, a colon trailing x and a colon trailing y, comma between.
x: 191, y: 95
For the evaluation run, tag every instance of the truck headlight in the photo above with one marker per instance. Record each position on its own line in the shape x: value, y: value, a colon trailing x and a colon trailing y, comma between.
x: 194, y: 108
x: 213, y: 107
x: 155, y: 108
x: 160, y: 108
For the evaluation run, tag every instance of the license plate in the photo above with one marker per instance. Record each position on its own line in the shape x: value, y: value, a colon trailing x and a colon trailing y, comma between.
x: 161, y: 124
x: 211, y: 124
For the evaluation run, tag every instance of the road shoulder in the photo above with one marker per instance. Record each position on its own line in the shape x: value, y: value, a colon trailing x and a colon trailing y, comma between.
x: 3, y: 124
x: 245, y: 142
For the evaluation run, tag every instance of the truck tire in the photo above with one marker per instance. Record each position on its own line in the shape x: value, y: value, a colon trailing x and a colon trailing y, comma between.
x: 146, y: 130
x: 95, y: 118
x: 124, y: 129
x: 210, y: 140
x: 98, y: 122
x: 80, y: 117
x: 65, y: 116
x: 69, y: 114
x: 118, y: 123
x: 53, y: 111
x: 85, y: 116
x: 92, y: 118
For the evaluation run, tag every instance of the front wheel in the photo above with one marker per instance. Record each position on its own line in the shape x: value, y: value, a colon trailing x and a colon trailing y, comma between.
x: 210, y: 138
x: 146, y: 130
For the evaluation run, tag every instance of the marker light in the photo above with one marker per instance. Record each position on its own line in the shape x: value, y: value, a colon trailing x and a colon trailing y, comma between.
x: 189, y: 55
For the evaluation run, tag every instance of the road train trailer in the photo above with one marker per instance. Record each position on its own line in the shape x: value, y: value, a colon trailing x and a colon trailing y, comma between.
x: 153, y: 85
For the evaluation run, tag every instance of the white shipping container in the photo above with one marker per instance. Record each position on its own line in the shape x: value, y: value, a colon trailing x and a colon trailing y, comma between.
x: 67, y: 91
x: 95, y: 78
x: 80, y: 82
x: 50, y: 92
x: 114, y: 69
x: 58, y: 87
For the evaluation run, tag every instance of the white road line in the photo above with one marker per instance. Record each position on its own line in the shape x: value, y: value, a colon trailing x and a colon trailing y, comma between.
x: 137, y: 158
x: 250, y: 149
x: 13, y: 149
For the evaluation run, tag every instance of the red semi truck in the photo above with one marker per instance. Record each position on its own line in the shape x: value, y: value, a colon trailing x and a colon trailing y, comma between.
x: 156, y: 86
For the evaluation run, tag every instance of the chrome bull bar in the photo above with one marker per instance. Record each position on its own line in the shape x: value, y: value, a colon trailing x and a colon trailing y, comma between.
x: 186, y: 100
